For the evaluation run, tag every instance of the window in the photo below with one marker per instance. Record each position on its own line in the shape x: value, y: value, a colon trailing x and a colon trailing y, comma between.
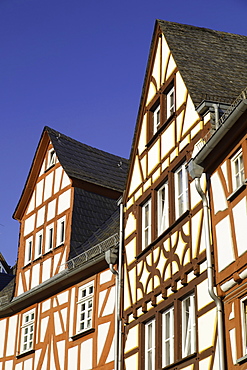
x: 188, y: 326
x: 156, y: 119
x: 181, y: 190
x: 60, y: 231
x: 51, y: 158
x: 162, y: 207
x: 49, y: 238
x: 146, y: 224
x: 27, y: 331
x: 170, y: 102
x: 168, y: 337
x: 237, y: 169
x: 85, y: 307
x: 38, y: 243
x: 28, y: 250
x: 150, y: 345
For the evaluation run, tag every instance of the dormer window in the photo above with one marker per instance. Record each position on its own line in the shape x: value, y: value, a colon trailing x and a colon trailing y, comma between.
x: 51, y: 158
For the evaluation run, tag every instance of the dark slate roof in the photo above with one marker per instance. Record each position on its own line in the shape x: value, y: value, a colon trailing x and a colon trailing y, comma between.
x: 212, y: 63
x: 83, y: 162
x: 4, y: 263
x: 5, y: 279
x: 90, y: 212
x: 108, y: 228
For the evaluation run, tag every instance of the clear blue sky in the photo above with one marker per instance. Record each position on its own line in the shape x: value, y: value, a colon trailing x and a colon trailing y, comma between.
x: 78, y: 67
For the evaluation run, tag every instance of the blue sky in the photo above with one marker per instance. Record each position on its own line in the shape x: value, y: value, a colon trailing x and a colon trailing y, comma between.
x: 78, y: 67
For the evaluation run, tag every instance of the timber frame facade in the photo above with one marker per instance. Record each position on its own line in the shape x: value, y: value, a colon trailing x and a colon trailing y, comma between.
x: 60, y: 308
x: 174, y: 318
x: 182, y: 266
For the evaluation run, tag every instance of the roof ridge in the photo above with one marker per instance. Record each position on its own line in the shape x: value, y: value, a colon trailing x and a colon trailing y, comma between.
x: 77, y: 142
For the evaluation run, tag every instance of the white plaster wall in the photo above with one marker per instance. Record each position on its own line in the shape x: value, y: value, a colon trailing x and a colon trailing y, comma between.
x: 240, y: 222
x: 105, y: 276
x: 40, y: 217
x: 39, y: 192
x: 110, y: 304
x: 48, y: 185
x: 219, y: 199
x: 72, y: 357
x: 27, y: 278
x: 190, y: 117
x: 46, y: 271
x: 203, y: 297
x: 206, y: 332
x: 10, y: 351
x: 43, y: 328
x: 46, y: 305
x: 130, y: 249
x: 101, y: 339
x: 29, y: 225
x: 28, y: 364
x: 71, y: 312
x: 136, y: 179
x: 2, y: 336
x: 143, y: 135
x: 171, y: 67
x: 63, y: 297
x: 156, y: 67
x: 31, y: 203
x: 110, y: 356
x: 132, y: 339
x: 224, y: 243
x: 8, y: 365
x: 168, y: 140
x: 131, y: 362
x: 64, y: 201
x: 232, y: 334
x: 51, y: 209
x: 65, y: 181
x: 87, y: 354
x: 58, y: 176
x: 35, y: 275
x: 130, y: 225
x: 57, y: 324
x: 153, y: 157
x: 181, y: 90
x: 61, y: 351
x: 102, y: 295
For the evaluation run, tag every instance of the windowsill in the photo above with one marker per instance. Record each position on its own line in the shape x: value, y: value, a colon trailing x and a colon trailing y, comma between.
x: 25, y: 353
x: 48, y: 168
x: 82, y: 334
x: 241, y: 360
x: 178, y: 362
x: 236, y: 192
x: 161, y: 236
x: 59, y: 245
x: 161, y: 128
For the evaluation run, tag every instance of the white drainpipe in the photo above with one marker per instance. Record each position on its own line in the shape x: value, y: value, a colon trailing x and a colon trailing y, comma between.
x: 217, y: 300
x: 118, y: 278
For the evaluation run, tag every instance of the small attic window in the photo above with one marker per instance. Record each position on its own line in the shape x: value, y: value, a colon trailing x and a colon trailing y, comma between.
x: 51, y: 158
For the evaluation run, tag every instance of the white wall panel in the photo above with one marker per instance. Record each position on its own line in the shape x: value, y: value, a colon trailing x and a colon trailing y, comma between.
x: 12, y: 331
x: 87, y: 354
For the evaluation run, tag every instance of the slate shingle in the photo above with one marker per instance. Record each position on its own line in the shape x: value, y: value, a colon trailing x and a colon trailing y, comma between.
x: 212, y: 63
x: 86, y: 163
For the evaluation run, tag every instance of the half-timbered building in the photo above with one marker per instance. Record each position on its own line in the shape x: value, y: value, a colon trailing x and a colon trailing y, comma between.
x: 173, y: 315
x: 59, y: 313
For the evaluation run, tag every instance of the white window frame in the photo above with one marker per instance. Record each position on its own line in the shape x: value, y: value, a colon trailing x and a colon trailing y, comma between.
x: 146, y: 224
x: 156, y: 119
x: 170, y: 102
x: 38, y: 247
x: 27, y: 331
x: 49, y: 238
x: 150, y: 345
x: 51, y: 158
x: 162, y: 208
x: 168, y: 337
x: 237, y: 165
x: 61, y: 231
x: 181, y: 190
x: 85, y: 307
x: 243, y: 306
x: 188, y: 325
x: 28, y: 250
